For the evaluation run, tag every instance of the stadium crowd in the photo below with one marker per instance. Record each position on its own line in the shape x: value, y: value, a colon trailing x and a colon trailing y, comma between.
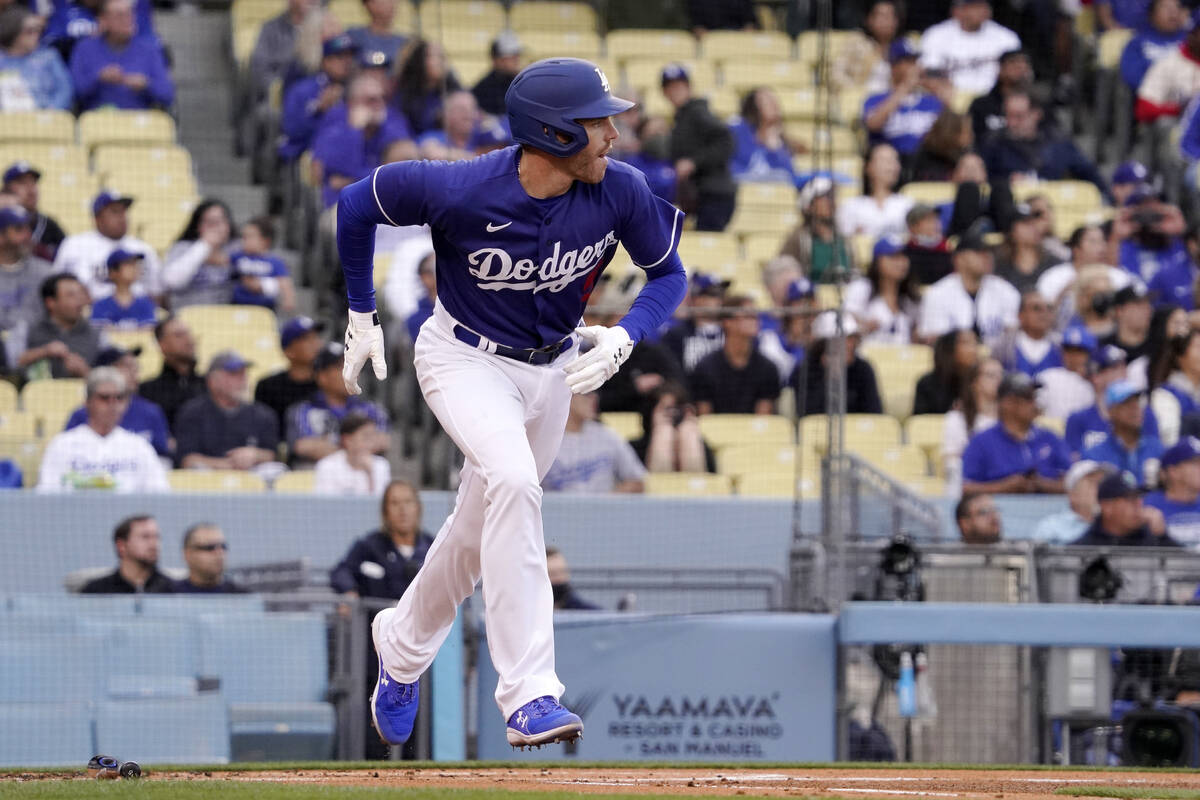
x: 941, y: 234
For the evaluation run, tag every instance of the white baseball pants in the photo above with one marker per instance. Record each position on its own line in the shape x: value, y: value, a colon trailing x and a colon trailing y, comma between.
x: 508, y: 419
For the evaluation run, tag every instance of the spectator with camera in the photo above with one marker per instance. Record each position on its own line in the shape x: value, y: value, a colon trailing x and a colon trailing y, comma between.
x: 970, y: 297
x: 1015, y: 456
x: 384, y: 562
x: 1128, y: 446
x: 136, y: 540
x: 671, y: 439
x: 737, y: 379
x: 1081, y: 482
x: 1067, y: 388
x: 116, y: 67
x: 978, y: 519
x: 198, y: 269
x: 141, y: 416
x: 38, y: 78
x: 1149, y: 235
x: 100, y: 454
x: 1122, y: 521
x: 353, y: 470
x: 63, y: 343
x: 902, y: 115
x: 1179, y: 498
x: 21, y: 278
x: 1089, y: 246
x: 204, y: 549
x: 221, y: 429
x: 312, y: 425
x: 809, y: 381
x: 593, y: 459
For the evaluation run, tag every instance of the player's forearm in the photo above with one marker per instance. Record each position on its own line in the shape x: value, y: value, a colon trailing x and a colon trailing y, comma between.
x: 357, y: 215
x: 656, y: 302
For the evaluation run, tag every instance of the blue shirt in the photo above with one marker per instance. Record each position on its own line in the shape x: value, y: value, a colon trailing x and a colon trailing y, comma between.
x: 316, y: 417
x: 1146, y: 263
x: 142, y: 417
x: 301, y: 115
x: 417, y: 318
x: 70, y: 20
x: 516, y: 269
x: 754, y: 161
x: 993, y: 454
x: 343, y: 150
x: 138, y: 314
x: 1183, y: 519
x: 1136, y: 462
x: 259, y: 266
x: 660, y: 175
x: 10, y: 474
x: 1053, y: 358
x: 1174, y: 284
x: 141, y: 55
x: 1130, y: 13
x: 45, y: 75
x: 1087, y: 428
x: 908, y: 124
x: 1140, y: 53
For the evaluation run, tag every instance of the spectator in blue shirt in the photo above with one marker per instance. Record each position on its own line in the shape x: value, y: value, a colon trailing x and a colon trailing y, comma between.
x: 260, y: 278
x: 1150, y: 234
x: 42, y: 73
x: 312, y: 428
x: 74, y: 20
x: 142, y: 417
x: 1179, y: 499
x: 1031, y: 348
x: 378, y: 35
x: 372, y: 134
x: 1113, y: 14
x: 1088, y: 427
x: 123, y: 308
x: 426, y: 274
x: 905, y: 113
x: 1167, y: 25
x: 460, y: 132
x: 307, y: 100
x: 425, y: 79
x: 117, y: 68
x: 1128, y: 447
x: 761, y: 151
x: 1014, y: 456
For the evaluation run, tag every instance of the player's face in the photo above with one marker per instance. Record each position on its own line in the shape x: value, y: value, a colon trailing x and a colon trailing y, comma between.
x: 590, y: 163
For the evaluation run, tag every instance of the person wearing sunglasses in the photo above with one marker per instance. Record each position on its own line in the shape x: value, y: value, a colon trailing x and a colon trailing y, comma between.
x: 204, y: 550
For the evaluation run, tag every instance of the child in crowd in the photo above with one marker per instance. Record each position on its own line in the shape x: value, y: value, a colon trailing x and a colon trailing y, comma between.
x: 122, y: 308
x: 260, y: 278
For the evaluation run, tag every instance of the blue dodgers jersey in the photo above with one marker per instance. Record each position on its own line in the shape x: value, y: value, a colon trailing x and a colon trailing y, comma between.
x: 514, y: 268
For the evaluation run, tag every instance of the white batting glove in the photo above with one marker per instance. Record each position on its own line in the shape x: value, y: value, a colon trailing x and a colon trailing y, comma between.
x: 610, y: 348
x: 364, y: 340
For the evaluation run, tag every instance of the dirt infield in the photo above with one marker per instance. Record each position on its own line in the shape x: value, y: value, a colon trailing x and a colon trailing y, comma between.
x: 702, y: 780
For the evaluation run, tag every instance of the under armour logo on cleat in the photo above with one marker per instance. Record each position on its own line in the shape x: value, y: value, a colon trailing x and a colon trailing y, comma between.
x: 492, y: 228
x: 522, y: 719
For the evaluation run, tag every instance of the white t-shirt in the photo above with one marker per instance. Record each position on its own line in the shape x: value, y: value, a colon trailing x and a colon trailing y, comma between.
x: 85, y: 255
x: 83, y: 459
x: 1055, y: 280
x: 334, y: 475
x: 971, y: 59
x: 894, y: 327
x: 946, y: 306
x: 1173, y: 79
x: 592, y: 460
x: 863, y: 216
x: 1064, y: 392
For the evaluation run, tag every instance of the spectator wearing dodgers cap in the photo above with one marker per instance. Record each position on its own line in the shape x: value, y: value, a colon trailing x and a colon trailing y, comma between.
x: 21, y: 180
x: 862, y: 390
x: 122, y: 308
x: 885, y: 302
x: 300, y: 340
x: 1015, y: 456
x: 1122, y: 520
x: 1127, y: 446
x: 1179, y: 499
x: 85, y: 255
x: 1081, y: 482
x: 1067, y: 388
x: 904, y: 113
x: 1088, y: 427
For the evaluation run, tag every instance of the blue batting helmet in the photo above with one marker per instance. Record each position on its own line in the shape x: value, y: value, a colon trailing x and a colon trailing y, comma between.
x: 547, y: 97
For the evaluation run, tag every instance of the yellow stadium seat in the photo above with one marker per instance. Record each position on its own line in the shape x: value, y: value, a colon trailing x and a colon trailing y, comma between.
x: 553, y: 17
x: 749, y: 459
x: 51, y: 401
x: 245, y: 36
x: 469, y: 71
x: 301, y: 481
x: 925, y: 431
x: 37, y: 126
x: 760, y: 248
x: 897, y: 369
x: 8, y: 397
x: 645, y: 75
x: 669, y: 45
x: 73, y: 211
x: 251, y: 331
x: 808, y: 44
x: 352, y: 13
x: 214, y: 480
x: 779, y: 484
x: 48, y: 157
x: 467, y: 42
x: 150, y: 359
x: 762, y: 193
x: 926, y: 486
x: 723, y: 430
x: 17, y: 425
x: 1110, y: 47
x: 255, y: 10
x: 693, y: 484
x: 67, y: 186
x: 862, y: 433
x: 932, y: 193
x: 579, y: 43
x: 451, y: 16
x: 626, y: 423
x: 745, y: 45
x: 916, y: 358
x: 743, y: 74
x: 1075, y: 196
x: 828, y: 296
x: 960, y: 103
x: 116, y: 159
x: 776, y: 222
x: 150, y: 187
x: 27, y: 453
x: 114, y: 126
x: 846, y: 168
x: 901, y: 463
x: 1053, y: 424
x: 702, y: 251
x: 799, y: 103
x: 836, y: 140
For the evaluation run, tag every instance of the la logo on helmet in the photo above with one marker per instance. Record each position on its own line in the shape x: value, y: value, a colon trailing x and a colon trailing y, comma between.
x: 603, y: 80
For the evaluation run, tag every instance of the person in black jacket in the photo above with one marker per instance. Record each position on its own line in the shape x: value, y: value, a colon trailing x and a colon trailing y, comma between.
x: 137, y: 542
x: 506, y: 63
x: 701, y: 147
x: 954, y: 353
x: 862, y: 391
x: 1123, y: 521
x: 384, y: 562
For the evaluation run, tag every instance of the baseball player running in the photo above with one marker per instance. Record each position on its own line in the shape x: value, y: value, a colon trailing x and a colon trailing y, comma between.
x: 520, y: 235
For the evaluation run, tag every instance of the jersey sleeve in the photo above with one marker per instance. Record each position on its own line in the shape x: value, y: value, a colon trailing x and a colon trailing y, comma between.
x: 650, y: 227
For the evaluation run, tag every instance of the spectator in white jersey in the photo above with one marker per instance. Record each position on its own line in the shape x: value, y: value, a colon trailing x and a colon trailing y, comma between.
x: 85, y: 255
x: 593, y: 459
x: 970, y: 297
x: 968, y: 46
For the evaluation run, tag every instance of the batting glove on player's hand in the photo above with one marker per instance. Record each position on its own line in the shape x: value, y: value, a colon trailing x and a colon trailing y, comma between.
x: 364, y: 340
x: 610, y: 348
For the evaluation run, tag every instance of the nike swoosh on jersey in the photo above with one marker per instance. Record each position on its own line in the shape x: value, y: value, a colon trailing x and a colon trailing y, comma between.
x: 492, y: 228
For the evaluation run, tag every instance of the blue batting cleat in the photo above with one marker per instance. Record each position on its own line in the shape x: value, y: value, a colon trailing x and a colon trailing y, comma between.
x: 394, y: 707
x: 543, y: 721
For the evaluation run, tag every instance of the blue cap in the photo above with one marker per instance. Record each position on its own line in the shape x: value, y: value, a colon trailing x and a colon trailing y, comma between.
x: 119, y: 256
x: 297, y: 327
x: 20, y: 169
x: 1109, y: 356
x: 674, y: 72
x: 901, y: 49
x: 106, y: 198
x: 13, y: 215
x: 1079, y: 338
x: 1140, y: 194
x: 888, y: 246
x: 228, y: 361
x: 1186, y: 449
x: 800, y: 289
x: 338, y: 45
x: 1120, y: 391
x: 703, y: 283
x: 1130, y: 172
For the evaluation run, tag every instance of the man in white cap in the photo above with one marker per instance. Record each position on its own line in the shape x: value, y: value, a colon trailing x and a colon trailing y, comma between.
x: 1083, y: 478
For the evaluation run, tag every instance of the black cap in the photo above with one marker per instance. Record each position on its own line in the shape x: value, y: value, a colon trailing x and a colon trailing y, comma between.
x: 1117, y: 486
x: 1130, y: 294
x: 331, y: 354
x: 112, y: 354
x: 1018, y: 384
x: 972, y: 240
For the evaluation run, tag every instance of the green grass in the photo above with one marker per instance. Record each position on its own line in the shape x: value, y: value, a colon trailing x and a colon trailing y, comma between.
x: 1131, y: 792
